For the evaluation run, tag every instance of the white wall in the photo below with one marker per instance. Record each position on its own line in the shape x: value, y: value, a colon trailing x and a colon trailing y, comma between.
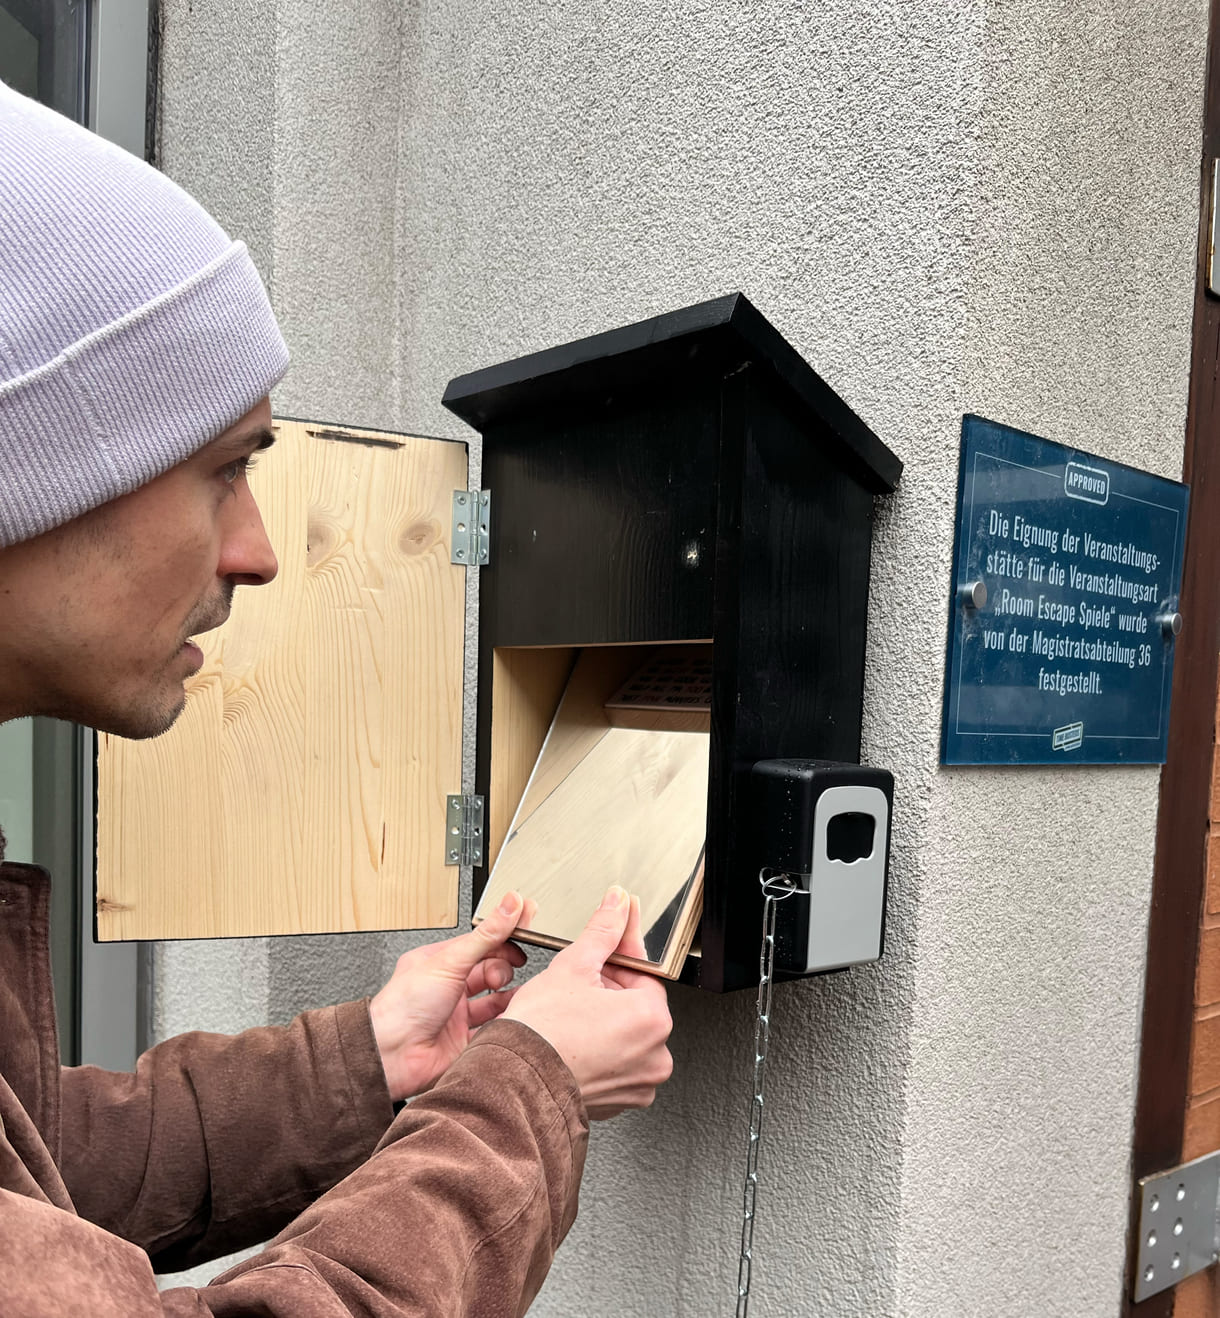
x: 969, y: 206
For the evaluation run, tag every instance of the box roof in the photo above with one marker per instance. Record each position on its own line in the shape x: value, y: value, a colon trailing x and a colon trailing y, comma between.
x: 725, y: 332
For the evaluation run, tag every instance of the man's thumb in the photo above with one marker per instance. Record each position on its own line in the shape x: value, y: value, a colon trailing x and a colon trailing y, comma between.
x: 603, y: 933
x: 493, y: 929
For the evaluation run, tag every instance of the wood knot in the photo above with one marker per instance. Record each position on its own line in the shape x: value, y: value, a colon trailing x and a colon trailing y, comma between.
x: 321, y: 540
x: 419, y: 537
x: 105, y: 906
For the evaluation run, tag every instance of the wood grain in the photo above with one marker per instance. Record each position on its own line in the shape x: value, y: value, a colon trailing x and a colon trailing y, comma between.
x: 527, y: 686
x: 303, y: 788
x: 579, y: 722
x: 661, y: 720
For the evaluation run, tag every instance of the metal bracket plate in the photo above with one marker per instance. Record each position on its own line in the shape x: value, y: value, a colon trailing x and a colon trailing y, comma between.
x: 469, y: 542
x: 1177, y: 1231
x: 463, y: 830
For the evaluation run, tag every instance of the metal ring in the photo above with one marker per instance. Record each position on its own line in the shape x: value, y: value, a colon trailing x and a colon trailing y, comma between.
x: 769, y: 879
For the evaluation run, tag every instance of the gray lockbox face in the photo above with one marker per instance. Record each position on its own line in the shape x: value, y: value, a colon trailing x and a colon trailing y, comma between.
x: 826, y: 825
x: 847, y: 883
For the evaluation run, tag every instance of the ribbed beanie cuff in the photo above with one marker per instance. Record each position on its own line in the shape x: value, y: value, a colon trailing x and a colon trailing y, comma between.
x: 132, y: 330
x: 136, y: 398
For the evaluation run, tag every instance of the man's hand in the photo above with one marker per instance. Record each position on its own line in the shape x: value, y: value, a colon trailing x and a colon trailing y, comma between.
x: 425, y: 1015
x: 608, y: 1023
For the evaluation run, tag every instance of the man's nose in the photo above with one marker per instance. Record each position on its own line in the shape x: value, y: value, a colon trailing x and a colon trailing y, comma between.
x: 246, y: 556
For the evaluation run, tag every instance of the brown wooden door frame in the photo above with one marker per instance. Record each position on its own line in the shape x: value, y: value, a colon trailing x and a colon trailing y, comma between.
x: 1179, y: 875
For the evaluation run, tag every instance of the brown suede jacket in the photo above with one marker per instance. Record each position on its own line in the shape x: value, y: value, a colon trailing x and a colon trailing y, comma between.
x: 455, y: 1207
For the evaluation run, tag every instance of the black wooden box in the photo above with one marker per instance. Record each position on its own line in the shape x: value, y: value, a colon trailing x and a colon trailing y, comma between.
x: 687, y: 478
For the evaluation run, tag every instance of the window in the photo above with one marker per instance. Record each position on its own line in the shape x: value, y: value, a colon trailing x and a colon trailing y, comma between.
x: 87, y: 60
x: 43, y: 51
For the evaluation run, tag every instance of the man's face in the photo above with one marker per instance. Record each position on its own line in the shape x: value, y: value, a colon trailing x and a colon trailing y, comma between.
x: 96, y: 616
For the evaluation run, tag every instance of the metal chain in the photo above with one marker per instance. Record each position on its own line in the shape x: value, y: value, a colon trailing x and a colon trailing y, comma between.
x: 775, y: 888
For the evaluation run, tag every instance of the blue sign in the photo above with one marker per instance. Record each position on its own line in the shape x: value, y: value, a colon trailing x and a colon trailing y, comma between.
x: 1067, y: 570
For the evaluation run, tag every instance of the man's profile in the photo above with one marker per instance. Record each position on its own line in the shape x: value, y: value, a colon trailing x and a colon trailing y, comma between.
x: 137, y: 354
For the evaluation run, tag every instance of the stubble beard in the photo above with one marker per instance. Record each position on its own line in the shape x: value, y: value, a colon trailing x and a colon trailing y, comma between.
x: 145, y: 723
x: 135, y: 721
x: 153, y: 716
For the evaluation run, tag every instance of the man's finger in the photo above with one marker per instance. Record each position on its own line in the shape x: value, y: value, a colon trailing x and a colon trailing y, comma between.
x: 508, y: 953
x: 491, y: 974
x: 465, y: 952
x: 632, y: 941
x: 602, y: 934
x: 482, y: 1010
x: 627, y: 977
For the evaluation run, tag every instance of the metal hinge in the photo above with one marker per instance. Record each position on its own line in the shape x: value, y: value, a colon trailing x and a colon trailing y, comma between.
x: 463, y: 830
x: 470, y: 534
x: 1177, y: 1230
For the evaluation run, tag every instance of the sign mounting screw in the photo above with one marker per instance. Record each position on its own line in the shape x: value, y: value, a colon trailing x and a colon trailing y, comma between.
x: 973, y: 595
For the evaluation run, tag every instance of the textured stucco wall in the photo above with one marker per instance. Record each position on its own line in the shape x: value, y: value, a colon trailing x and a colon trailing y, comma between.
x: 969, y: 206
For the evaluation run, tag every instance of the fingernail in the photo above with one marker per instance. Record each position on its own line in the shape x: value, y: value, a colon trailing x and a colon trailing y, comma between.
x: 509, y: 903
x: 614, y: 898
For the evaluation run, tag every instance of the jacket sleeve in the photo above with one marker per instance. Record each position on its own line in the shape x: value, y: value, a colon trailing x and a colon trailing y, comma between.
x: 456, y: 1215
x: 214, y: 1142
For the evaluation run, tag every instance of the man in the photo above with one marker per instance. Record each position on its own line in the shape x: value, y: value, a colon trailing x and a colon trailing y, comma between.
x: 137, y: 350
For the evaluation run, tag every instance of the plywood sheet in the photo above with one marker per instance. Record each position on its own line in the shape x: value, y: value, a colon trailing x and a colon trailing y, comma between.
x: 609, y: 804
x: 526, y: 688
x: 303, y: 789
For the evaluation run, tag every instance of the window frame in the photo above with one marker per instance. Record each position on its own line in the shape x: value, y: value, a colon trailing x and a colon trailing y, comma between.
x: 114, y: 981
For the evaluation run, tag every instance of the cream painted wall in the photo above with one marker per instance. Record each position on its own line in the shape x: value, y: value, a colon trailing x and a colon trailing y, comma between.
x: 983, y: 206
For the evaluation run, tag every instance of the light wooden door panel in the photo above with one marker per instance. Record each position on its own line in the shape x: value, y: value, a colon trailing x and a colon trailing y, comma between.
x: 303, y: 789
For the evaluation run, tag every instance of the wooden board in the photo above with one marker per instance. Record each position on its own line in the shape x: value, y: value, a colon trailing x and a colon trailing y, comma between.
x: 527, y: 686
x: 608, y: 804
x: 303, y: 789
x: 1184, y: 815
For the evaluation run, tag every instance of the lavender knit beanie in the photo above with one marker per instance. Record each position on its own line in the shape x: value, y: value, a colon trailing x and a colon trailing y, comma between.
x: 132, y: 330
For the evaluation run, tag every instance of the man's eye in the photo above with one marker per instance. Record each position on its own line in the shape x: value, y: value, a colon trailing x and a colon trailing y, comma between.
x: 238, y: 468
